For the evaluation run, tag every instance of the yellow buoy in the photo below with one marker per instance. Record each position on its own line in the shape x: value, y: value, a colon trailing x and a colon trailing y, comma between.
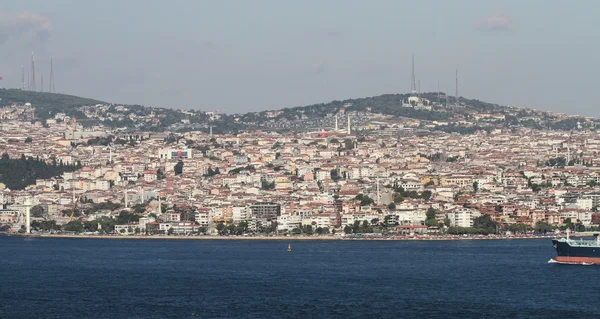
x: 289, y: 247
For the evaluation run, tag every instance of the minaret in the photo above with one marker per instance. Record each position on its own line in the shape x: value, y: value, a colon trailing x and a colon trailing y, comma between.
x: 73, y: 194
x: 28, y: 215
x: 159, y: 204
x: 378, y: 193
x: 348, y: 129
x: 336, y: 122
x: 125, y: 191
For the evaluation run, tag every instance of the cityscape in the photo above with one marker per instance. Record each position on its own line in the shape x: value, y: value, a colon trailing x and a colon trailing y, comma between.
x: 352, y: 173
x: 299, y: 159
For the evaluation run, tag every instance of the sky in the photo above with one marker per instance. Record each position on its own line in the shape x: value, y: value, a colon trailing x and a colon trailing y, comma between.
x: 240, y: 56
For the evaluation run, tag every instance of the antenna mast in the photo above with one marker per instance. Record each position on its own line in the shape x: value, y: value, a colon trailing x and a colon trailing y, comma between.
x: 413, y: 84
x: 22, y: 78
x: 51, y: 89
x: 456, y: 87
x: 42, y: 84
x: 32, y: 72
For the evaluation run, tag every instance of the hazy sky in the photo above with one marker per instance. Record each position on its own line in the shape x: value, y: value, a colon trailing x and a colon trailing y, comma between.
x: 247, y: 55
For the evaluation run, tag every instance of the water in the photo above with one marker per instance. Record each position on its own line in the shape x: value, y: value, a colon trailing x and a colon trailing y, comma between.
x: 90, y: 278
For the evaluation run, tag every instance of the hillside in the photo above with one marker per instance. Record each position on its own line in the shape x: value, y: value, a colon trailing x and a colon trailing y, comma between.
x: 47, y: 104
x: 137, y: 117
x: 390, y: 104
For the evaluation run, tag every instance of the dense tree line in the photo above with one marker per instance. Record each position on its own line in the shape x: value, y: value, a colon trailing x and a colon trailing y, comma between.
x: 19, y: 173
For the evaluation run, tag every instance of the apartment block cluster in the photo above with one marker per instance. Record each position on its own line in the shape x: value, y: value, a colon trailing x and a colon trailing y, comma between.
x: 319, y: 178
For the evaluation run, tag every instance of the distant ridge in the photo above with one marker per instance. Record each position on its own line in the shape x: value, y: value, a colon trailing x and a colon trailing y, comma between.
x: 46, y: 104
x: 49, y: 104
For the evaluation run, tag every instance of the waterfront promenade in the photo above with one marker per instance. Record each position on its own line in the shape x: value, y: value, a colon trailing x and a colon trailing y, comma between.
x: 288, y: 238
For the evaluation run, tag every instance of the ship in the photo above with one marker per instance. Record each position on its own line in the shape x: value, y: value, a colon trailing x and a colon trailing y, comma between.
x: 576, y: 251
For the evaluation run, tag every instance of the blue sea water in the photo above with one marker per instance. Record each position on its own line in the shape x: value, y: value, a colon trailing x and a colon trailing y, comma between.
x: 92, y: 278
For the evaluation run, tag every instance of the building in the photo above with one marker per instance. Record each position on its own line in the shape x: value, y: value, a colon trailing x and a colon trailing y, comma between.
x: 461, y: 217
x: 270, y: 211
x: 170, y: 153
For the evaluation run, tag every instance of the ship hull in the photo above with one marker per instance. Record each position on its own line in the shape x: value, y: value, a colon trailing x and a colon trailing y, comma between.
x: 567, y: 254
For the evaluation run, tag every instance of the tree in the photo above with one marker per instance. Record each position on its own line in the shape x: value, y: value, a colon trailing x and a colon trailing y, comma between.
x: 178, y: 168
x: 356, y: 227
x: 542, y: 228
x: 266, y: 185
x: 18, y: 173
x: 431, y: 219
x: 364, y: 200
x: 365, y: 227
x: 348, y: 144
x: 348, y: 229
x: 73, y: 226
x: 334, y: 174
x: 475, y: 187
x: 426, y: 194
x: 28, y: 140
x: 241, y: 228
x: 37, y: 211
x: 485, y: 222
x: 432, y: 222
x: 392, y: 206
x: 447, y: 222
x: 431, y: 213
x: 308, y: 229
x: 170, y: 231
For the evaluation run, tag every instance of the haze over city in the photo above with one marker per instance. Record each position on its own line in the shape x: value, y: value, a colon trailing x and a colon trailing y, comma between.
x: 256, y: 55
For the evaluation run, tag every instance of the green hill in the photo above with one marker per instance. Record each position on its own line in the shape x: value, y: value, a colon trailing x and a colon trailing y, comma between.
x: 47, y: 104
x: 389, y: 104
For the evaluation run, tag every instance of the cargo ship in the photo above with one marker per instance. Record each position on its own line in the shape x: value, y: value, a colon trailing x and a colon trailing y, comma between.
x: 576, y: 251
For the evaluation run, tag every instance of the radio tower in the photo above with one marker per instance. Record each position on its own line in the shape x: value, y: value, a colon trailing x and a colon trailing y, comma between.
x: 51, y: 88
x: 42, y: 84
x: 22, y: 78
x: 32, y: 88
x: 413, y: 84
x: 456, y: 87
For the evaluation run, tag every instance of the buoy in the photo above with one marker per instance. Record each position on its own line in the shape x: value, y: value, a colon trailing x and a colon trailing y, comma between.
x: 289, y: 247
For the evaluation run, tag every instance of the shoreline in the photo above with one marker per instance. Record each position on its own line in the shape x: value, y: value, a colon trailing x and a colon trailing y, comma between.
x: 271, y: 238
